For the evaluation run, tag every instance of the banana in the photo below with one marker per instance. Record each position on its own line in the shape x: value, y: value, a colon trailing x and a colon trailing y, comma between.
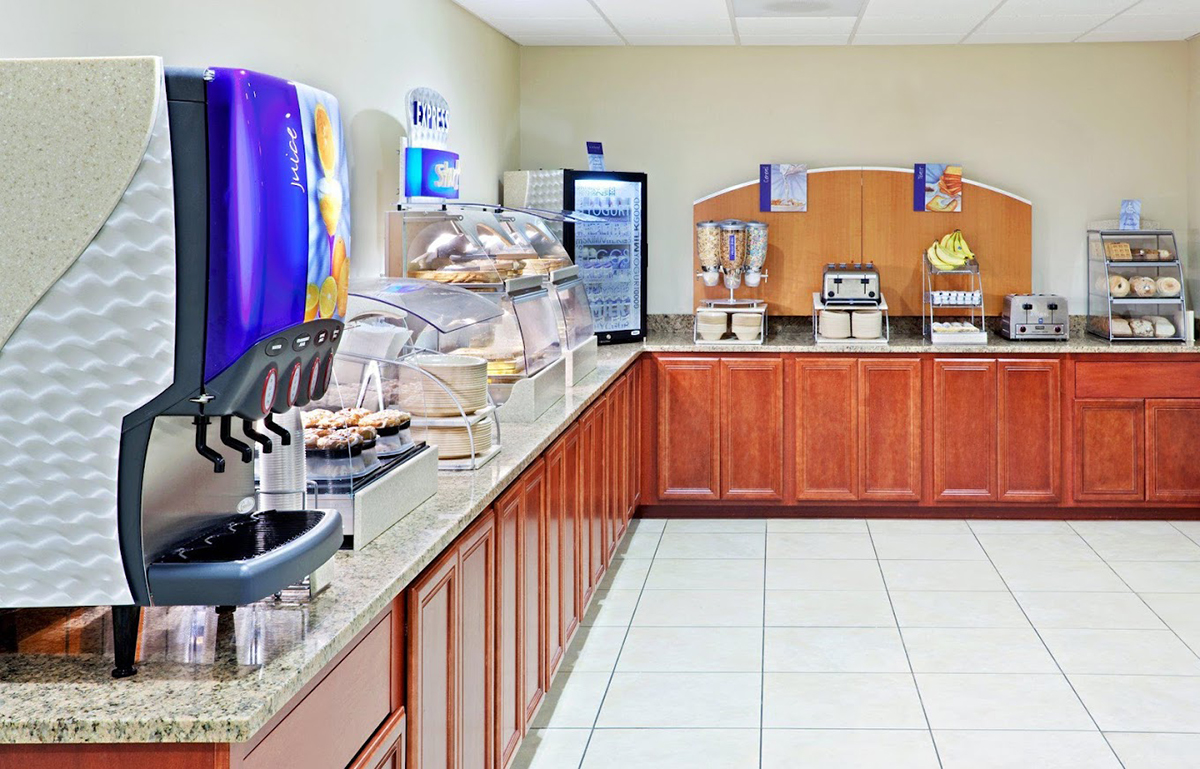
x: 951, y: 258
x: 935, y: 259
x: 959, y: 245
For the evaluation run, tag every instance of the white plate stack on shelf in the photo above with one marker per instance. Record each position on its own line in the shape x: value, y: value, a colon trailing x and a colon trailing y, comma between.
x: 850, y: 324
x: 457, y: 418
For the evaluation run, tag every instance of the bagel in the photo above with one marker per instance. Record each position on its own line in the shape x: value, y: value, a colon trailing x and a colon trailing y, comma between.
x: 1168, y: 286
x: 1142, y: 286
x: 1118, y: 286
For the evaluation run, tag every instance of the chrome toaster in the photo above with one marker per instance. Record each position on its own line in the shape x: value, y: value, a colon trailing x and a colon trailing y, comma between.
x: 1035, y: 316
x: 855, y: 283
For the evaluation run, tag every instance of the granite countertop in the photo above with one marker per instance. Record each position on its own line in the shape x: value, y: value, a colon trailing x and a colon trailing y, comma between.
x: 204, y: 678
x: 903, y: 342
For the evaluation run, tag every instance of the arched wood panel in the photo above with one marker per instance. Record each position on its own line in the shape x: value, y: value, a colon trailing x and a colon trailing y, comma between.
x: 866, y: 214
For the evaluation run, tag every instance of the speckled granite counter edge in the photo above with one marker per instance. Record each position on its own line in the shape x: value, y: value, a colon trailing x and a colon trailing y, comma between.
x: 140, y: 709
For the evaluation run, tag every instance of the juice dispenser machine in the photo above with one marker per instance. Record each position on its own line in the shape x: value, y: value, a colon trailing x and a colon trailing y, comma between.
x: 174, y: 346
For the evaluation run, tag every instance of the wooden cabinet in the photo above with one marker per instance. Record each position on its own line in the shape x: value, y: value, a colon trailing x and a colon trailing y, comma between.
x: 556, y: 556
x: 826, y: 399
x: 889, y: 429
x: 635, y: 436
x: 477, y: 644
x: 509, y: 702
x: 433, y: 664
x: 688, y: 428
x: 387, y: 749
x: 751, y: 421
x: 591, y: 492
x: 452, y: 651
x: 1029, y: 446
x: 964, y: 430
x: 533, y: 516
x: 1173, y: 450
x: 1110, y: 450
x: 619, y: 441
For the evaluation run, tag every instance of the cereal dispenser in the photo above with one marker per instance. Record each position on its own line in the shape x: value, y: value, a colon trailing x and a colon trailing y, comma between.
x: 736, y: 251
x: 151, y: 364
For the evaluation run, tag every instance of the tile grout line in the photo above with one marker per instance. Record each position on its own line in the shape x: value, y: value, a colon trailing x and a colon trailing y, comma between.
x: 596, y: 719
x: 903, y: 645
x: 1046, y: 646
x: 762, y: 656
x: 1145, y: 603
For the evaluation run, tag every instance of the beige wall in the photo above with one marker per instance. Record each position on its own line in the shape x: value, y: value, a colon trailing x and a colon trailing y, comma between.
x: 367, y: 53
x: 1194, y: 168
x: 1075, y: 128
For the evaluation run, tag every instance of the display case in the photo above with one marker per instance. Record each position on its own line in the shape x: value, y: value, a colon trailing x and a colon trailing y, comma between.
x: 437, y: 244
x: 576, y: 328
x: 1136, y: 286
x: 534, y: 230
x: 402, y: 351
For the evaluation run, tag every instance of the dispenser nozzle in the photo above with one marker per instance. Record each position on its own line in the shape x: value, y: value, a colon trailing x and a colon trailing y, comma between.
x: 256, y: 436
x: 285, y: 437
x: 204, y: 449
x: 233, y: 443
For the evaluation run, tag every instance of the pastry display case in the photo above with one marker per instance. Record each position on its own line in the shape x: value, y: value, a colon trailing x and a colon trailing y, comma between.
x: 1136, y: 286
x: 402, y: 353
x: 535, y: 229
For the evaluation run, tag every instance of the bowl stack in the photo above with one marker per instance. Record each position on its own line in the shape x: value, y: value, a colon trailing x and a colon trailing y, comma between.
x: 712, y: 324
x: 437, y: 409
x: 747, y: 325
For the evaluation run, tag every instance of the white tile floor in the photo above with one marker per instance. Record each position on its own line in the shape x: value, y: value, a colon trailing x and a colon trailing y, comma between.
x: 718, y: 644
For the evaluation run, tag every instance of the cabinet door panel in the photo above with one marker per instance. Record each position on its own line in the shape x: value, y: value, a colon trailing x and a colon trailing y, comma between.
x: 556, y: 514
x: 598, y: 504
x: 1030, y: 422
x: 1173, y: 450
x: 635, y: 436
x: 509, y: 704
x: 570, y: 595
x: 533, y: 516
x: 433, y: 665
x: 751, y: 409
x: 964, y: 430
x: 477, y: 640
x: 621, y: 458
x: 688, y: 419
x: 826, y: 429
x: 1109, y: 451
x: 889, y: 429
x: 589, y: 550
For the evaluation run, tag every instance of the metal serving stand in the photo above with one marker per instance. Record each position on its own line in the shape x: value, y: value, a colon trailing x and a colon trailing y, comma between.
x: 729, y: 307
x: 968, y: 302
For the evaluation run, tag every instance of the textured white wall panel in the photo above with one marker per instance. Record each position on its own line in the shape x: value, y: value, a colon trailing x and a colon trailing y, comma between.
x: 98, y: 345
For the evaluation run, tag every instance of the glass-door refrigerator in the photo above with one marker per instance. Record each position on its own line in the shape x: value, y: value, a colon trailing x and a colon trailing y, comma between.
x: 611, y: 252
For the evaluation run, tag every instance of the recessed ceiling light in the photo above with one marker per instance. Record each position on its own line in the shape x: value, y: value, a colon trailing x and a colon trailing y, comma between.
x: 796, y: 9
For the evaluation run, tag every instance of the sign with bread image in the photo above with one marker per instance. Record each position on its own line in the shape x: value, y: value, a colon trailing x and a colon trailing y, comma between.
x: 937, y: 187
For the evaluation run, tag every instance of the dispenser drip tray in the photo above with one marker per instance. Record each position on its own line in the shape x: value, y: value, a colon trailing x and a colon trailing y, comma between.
x: 245, y: 558
x: 246, y: 536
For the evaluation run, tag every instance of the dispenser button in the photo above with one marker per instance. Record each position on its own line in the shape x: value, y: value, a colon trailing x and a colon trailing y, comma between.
x: 314, y: 378
x: 276, y: 346
x: 322, y: 335
x: 333, y: 335
x: 270, y: 383
x: 294, y: 379
x: 301, y: 342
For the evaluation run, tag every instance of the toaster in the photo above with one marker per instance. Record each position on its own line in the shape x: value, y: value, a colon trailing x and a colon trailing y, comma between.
x: 855, y: 283
x: 1035, y: 316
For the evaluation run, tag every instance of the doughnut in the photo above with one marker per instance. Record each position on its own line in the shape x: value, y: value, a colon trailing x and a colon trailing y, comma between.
x: 1118, y: 286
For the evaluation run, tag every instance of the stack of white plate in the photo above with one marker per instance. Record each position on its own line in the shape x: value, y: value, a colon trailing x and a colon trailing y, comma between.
x: 465, y: 376
x: 454, y: 442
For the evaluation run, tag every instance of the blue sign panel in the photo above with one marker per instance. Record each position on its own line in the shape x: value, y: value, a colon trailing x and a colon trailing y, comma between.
x: 430, y: 173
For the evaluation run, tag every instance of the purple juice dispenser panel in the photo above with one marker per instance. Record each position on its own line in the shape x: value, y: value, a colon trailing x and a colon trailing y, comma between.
x: 279, y: 201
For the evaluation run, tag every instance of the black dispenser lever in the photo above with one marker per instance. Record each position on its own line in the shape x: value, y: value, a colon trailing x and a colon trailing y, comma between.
x: 256, y: 436
x: 233, y: 443
x: 204, y: 449
x: 285, y: 437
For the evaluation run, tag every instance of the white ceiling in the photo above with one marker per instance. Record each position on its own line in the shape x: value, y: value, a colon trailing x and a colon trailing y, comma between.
x: 836, y: 22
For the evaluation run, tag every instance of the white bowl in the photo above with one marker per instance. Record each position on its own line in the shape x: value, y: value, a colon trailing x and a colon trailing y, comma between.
x: 710, y: 333
x: 746, y: 334
x: 714, y: 317
x: 747, y: 319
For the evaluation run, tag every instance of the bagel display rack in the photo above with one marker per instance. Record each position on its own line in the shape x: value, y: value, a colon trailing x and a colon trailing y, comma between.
x: 1136, y: 287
